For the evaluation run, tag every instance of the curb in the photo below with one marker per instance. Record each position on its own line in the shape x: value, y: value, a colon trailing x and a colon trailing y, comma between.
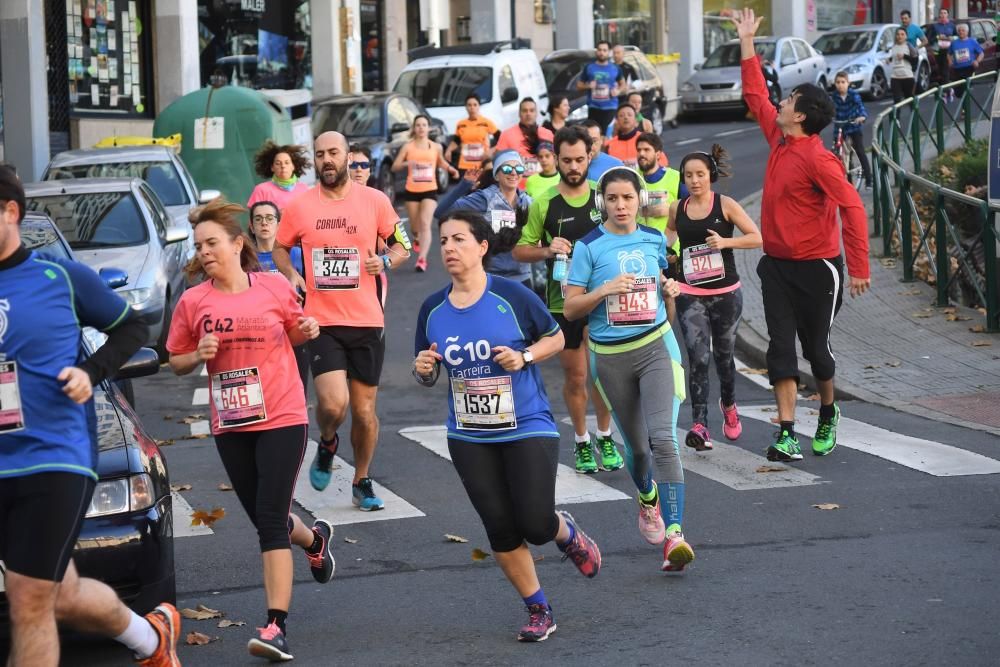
x: 752, y: 345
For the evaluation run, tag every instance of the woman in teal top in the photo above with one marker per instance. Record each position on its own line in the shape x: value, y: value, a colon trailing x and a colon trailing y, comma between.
x: 616, y: 280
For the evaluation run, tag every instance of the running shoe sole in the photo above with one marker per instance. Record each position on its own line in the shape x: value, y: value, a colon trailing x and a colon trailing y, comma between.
x: 528, y: 638
x: 678, y: 558
x: 260, y: 649
x: 327, y: 535
x: 697, y: 442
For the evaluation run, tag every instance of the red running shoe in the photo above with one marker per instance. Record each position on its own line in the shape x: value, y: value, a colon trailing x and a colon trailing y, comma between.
x: 540, y: 624
x: 731, y: 428
x: 582, y: 550
x: 166, y: 623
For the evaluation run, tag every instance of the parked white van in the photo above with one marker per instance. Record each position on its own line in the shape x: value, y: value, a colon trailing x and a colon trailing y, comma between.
x: 501, y: 73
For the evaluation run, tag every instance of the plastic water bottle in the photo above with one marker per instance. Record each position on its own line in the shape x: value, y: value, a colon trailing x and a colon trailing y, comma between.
x: 559, y: 267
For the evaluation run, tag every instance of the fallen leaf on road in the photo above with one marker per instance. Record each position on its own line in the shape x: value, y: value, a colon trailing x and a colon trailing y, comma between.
x: 202, y: 613
x: 769, y: 409
x: 911, y: 292
x: 226, y: 623
x: 350, y: 540
x: 754, y: 371
x: 827, y: 506
x: 981, y: 343
x: 478, y: 554
x: 812, y: 397
x: 956, y: 318
x: 203, y: 518
x: 888, y: 262
x: 224, y: 487
x: 872, y: 365
x: 922, y: 315
x: 982, y: 311
x: 539, y: 557
x: 455, y: 538
x: 951, y: 310
x: 191, y: 419
x: 199, y: 639
x: 771, y: 469
x: 180, y: 487
x: 199, y: 436
x: 978, y: 328
x: 164, y: 443
x: 894, y: 364
x: 167, y: 418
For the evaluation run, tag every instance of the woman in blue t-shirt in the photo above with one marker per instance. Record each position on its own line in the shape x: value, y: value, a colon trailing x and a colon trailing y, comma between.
x: 487, y: 332
x: 616, y: 280
x: 964, y: 55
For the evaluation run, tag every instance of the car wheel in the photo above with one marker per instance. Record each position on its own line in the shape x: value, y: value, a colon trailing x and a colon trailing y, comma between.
x: 923, y: 77
x: 161, y: 344
x: 657, y: 119
x: 878, y: 85
x: 387, y: 183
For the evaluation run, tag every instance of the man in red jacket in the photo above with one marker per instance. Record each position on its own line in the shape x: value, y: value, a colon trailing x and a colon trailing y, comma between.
x: 801, y: 272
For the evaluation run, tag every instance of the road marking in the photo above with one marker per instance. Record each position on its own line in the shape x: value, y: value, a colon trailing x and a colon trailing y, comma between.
x: 571, y: 488
x: 687, y: 141
x: 200, y: 396
x: 334, y: 503
x: 202, y: 427
x: 204, y: 371
x: 926, y: 456
x: 182, y: 518
x: 730, y: 465
x: 729, y: 133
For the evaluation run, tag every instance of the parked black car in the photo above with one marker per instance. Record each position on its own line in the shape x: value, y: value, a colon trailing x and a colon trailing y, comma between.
x: 381, y: 121
x: 127, y: 536
x: 562, y: 70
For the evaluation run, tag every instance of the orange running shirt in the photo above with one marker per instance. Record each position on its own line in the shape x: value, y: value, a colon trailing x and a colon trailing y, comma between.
x: 336, y: 236
x: 474, y: 141
x: 251, y: 386
x: 421, y: 167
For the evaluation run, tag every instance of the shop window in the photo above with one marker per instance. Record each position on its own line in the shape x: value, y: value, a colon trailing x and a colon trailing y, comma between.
x: 624, y: 22
x: 834, y: 13
x: 719, y: 28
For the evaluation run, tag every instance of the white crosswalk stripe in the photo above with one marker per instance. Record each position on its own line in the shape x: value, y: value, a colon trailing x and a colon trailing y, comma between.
x: 182, y: 518
x: 200, y: 396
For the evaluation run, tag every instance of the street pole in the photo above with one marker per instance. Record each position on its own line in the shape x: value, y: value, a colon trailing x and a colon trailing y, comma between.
x: 993, y: 197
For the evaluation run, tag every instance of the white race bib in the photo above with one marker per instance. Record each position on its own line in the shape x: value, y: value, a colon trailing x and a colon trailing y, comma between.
x: 531, y: 166
x: 962, y: 55
x: 703, y: 265
x: 422, y: 172
x: 635, y: 308
x: 11, y: 414
x: 336, y: 268
x: 484, y: 404
x: 602, y: 91
x: 501, y: 219
x: 473, y: 152
x: 238, y: 397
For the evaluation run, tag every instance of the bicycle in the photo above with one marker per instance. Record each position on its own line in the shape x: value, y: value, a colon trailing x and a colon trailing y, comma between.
x: 847, y: 155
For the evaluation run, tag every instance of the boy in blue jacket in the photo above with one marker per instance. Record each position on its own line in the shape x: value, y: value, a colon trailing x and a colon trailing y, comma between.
x: 849, y: 107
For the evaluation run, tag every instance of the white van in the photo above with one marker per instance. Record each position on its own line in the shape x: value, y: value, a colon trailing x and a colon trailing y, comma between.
x: 501, y: 73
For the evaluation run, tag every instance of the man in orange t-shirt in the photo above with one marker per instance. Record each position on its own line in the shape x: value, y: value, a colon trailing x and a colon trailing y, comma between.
x: 338, y: 224
x: 472, y: 137
x: 525, y: 137
x: 623, y: 144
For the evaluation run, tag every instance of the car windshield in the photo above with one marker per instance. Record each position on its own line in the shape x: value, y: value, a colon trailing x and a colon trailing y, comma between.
x: 42, y: 237
x: 560, y: 74
x: 161, y: 175
x: 352, y: 119
x: 845, y: 42
x: 446, y: 86
x: 94, y: 219
x: 728, y: 55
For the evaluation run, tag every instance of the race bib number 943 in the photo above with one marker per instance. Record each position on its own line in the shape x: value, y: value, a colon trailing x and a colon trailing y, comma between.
x: 336, y: 268
x: 635, y: 308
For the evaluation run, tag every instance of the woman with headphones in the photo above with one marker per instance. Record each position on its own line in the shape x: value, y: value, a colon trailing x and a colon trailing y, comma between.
x: 710, y: 303
x: 616, y: 281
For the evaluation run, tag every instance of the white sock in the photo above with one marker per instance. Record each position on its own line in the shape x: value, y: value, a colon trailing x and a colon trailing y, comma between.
x: 582, y: 438
x: 139, y: 636
x: 603, y: 434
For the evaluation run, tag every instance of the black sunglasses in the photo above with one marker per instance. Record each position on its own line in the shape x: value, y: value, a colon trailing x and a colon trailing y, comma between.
x: 361, y: 165
x: 510, y: 169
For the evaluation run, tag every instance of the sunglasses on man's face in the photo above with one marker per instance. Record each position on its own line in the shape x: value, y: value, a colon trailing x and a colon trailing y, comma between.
x: 508, y: 169
x: 361, y: 165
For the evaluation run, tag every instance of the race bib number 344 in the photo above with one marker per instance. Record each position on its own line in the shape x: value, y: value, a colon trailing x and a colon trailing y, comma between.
x: 239, y: 397
x: 336, y: 268
x: 11, y: 416
x: 484, y: 404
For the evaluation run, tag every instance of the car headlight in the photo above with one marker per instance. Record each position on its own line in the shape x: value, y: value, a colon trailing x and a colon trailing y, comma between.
x: 580, y: 113
x: 137, y: 297
x: 855, y: 68
x: 117, y: 496
x: 687, y: 87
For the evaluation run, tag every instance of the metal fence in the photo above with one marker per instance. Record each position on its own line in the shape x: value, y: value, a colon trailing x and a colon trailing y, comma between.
x: 948, y: 236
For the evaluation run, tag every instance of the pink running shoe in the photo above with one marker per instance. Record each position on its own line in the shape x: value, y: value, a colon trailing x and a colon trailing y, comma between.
x: 732, y: 428
x: 651, y: 522
x: 677, y: 553
x: 421, y: 265
x: 699, y: 438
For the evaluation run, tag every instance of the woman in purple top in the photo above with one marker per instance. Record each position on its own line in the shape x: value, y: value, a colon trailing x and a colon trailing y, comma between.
x: 282, y: 165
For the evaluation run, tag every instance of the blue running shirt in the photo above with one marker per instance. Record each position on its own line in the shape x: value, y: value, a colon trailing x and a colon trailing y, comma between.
x: 601, y: 256
x: 43, y: 304
x: 606, y: 76
x: 485, y: 402
x: 267, y: 261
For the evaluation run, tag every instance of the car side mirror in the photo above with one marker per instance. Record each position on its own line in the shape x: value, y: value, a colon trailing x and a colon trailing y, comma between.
x: 396, y: 128
x: 176, y: 233
x: 509, y: 95
x: 208, y: 195
x: 113, y: 278
x: 142, y: 363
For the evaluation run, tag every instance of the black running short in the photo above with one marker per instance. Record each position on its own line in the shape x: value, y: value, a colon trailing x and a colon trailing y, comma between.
x: 573, y: 331
x: 420, y: 196
x: 358, y: 350
x: 40, y: 520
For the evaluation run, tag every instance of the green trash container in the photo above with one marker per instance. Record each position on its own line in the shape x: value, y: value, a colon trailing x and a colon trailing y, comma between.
x: 221, y: 130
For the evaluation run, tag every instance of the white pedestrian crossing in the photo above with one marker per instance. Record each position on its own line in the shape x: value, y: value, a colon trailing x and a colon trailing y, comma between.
x: 182, y: 518
x: 200, y: 396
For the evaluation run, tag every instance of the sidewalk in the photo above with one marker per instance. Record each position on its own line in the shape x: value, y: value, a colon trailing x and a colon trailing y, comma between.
x: 892, y: 346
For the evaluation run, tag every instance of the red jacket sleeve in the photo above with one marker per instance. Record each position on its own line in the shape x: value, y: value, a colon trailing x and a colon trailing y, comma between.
x: 755, y: 95
x: 830, y: 179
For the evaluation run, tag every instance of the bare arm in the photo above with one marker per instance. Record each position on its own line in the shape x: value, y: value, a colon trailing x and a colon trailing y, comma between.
x: 399, y: 164
x: 441, y: 162
x: 751, y: 235
x: 531, y: 253
x: 283, y: 262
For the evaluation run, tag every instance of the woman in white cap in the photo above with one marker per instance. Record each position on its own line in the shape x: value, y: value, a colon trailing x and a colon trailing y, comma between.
x: 505, y: 206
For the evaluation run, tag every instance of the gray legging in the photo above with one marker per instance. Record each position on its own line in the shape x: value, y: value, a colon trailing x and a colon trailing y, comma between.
x: 643, y: 384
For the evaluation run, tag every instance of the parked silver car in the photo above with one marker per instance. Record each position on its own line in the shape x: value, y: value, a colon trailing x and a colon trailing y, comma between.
x: 863, y: 52
x: 121, y: 223
x: 160, y: 166
x: 717, y: 84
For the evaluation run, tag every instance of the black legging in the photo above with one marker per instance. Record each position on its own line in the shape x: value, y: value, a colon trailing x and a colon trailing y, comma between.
x: 512, y: 485
x: 901, y: 89
x: 858, y: 141
x: 263, y: 466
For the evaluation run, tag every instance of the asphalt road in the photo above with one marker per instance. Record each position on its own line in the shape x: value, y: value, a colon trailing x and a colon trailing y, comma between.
x: 904, y: 571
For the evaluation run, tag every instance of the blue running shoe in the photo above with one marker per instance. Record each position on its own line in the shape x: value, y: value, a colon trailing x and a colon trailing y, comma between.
x: 364, y: 498
x: 319, y: 471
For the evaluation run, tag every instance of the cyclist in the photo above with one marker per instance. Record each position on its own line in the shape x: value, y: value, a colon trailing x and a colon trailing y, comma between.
x: 711, y: 302
x: 488, y: 333
x: 615, y: 282
x: 337, y: 223
x: 282, y: 166
x: 559, y: 217
x: 242, y: 326
x: 849, y: 114
x: 421, y: 157
x: 48, y: 448
x: 472, y: 137
x: 548, y: 176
